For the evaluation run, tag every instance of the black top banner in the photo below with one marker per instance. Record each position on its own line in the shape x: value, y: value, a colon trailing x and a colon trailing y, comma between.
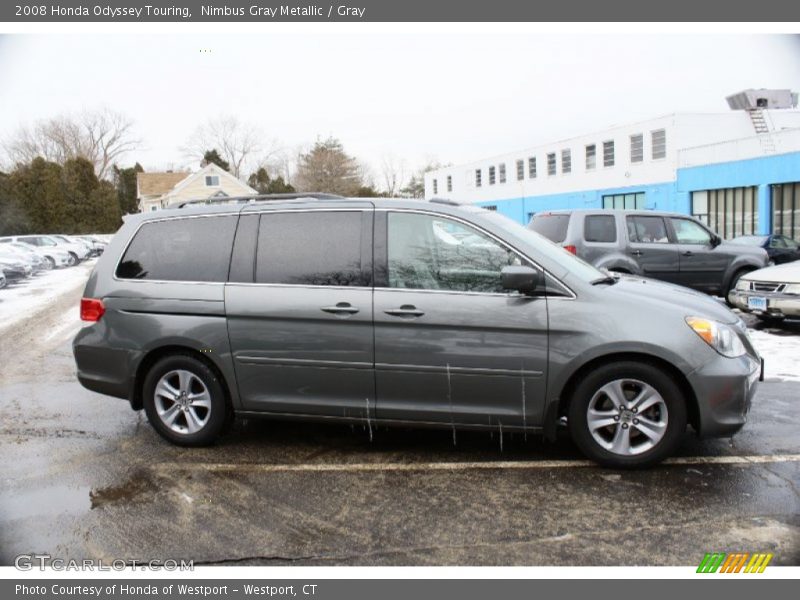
x: 400, y: 11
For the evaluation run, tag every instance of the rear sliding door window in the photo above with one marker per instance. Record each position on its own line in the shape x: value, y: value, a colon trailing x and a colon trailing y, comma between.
x: 188, y: 249
x: 600, y: 228
x: 311, y: 248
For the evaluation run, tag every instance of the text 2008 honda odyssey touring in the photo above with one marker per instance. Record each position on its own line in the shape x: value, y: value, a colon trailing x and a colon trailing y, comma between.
x: 402, y: 312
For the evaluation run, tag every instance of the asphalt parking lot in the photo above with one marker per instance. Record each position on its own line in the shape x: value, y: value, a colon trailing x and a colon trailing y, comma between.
x: 82, y: 476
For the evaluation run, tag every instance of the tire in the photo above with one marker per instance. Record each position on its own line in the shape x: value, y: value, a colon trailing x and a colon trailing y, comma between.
x: 73, y: 259
x: 732, y: 286
x: 50, y: 263
x: 596, y: 391
x: 177, y: 418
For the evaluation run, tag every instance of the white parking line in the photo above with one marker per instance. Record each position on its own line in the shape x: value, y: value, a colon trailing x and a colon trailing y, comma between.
x: 461, y: 466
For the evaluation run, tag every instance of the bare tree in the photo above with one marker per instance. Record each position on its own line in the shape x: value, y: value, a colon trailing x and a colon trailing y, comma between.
x: 101, y: 136
x: 237, y: 142
x: 393, y: 171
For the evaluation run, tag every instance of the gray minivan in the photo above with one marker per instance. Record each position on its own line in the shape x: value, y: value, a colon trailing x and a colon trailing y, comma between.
x: 402, y: 312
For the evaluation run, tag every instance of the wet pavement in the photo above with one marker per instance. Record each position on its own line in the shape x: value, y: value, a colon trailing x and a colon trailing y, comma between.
x: 82, y: 476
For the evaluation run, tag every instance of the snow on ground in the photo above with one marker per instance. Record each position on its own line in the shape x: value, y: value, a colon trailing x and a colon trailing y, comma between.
x: 781, y: 352
x: 19, y: 301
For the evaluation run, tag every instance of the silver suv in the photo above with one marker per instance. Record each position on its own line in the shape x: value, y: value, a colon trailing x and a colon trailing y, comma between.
x: 400, y: 312
x: 667, y: 246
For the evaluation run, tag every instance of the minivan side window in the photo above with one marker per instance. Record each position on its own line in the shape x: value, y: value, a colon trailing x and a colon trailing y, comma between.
x: 434, y: 253
x: 312, y: 248
x: 183, y: 249
x: 689, y: 232
x: 647, y: 230
x: 600, y: 228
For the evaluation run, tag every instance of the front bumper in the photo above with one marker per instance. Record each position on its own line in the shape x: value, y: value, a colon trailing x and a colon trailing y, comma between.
x: 724, y: 389
x: 16, y: 273
x: 778, y: 304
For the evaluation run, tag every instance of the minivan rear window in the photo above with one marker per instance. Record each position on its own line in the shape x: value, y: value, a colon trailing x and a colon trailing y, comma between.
x: 311, y: 248
x: 553, y: 227
x: 187, y: 249
x: 600, y: 228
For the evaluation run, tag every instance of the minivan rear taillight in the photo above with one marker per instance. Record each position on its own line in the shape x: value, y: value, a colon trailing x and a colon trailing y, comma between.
x: 571, y: 249
x: 92, y: 309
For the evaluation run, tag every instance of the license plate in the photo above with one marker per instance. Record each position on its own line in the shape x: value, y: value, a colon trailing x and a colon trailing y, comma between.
x: 757, y: 303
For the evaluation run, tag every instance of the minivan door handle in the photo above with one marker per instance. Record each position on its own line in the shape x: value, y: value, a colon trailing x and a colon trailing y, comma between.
x: 406, y: 311
x: 340, y: 308
x: 636, y: 252
x: 688, y: 253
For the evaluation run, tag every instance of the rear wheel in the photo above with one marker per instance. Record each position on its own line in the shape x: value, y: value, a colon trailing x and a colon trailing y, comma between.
x: 73, y: 259
x: 49, y: 263
x: 627, y: 415
x: 184, y: 401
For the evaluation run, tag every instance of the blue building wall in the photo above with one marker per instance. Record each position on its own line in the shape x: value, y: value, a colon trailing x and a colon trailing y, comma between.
x: 676, y: 195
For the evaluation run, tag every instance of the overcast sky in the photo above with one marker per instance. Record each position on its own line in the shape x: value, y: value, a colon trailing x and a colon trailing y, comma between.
x: 450, y: 97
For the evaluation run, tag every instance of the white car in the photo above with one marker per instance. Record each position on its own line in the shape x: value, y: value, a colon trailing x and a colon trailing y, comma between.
x: 56, y: 258
x: 76, y: 252
x: 81, y: 248
x: 772, y: 293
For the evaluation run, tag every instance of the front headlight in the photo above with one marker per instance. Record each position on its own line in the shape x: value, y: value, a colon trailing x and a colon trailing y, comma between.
x: 719, y: 336
x: 742, y: 284
x: 792, y: 288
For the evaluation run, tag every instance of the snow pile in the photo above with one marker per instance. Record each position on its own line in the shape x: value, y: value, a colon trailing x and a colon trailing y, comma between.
x: 781, y: 353
x: 19, y: 301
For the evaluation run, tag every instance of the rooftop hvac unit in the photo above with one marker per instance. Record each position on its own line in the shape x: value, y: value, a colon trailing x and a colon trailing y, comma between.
x: 767, y: 99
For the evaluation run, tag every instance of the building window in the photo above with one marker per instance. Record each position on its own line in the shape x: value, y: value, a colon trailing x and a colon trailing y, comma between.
x: 551, y: 163
x: 501, y: 171
x: 658, y: 140
x: 729, y: 212
x: 449, y: 183
x: 212, y: 180
x: 608, y: 153
x: 435, y: 186
x: 491, y: 175
x: 520, y: 170
x: 786, y: 209
x: 632, y: 201
x: 532, y: 167
x: 153, y: 207
x: 591, y: 157
x: 492, y: 207
x: 566, y: 160
x: 637, y: 148
x: 478, y: 181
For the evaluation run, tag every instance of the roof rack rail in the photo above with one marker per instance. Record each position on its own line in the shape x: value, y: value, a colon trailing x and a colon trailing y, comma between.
x: 256, y: 198
x: 446, y: 201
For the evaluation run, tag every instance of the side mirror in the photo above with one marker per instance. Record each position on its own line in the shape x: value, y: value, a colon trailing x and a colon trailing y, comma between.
x: 715, y: 240
x: 524, y: 280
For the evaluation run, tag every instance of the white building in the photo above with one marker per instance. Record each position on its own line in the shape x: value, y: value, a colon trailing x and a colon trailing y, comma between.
x: 668, y: 163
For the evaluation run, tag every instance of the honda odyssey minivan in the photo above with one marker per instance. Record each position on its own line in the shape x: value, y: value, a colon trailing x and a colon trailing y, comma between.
x: 401, y: 312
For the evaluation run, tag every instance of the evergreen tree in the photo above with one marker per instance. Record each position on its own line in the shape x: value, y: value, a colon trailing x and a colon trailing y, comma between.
x: 125, y: 183
x: 212, y: 156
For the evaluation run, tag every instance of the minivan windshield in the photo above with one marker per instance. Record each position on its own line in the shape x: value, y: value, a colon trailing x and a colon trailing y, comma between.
x: 569, y: 262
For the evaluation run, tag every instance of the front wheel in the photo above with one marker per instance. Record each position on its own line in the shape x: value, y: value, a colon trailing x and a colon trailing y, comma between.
x: 627, y: 415
x: 732, y: 286
x: 49, y: 263
x: 73, y: 259
x: 184, y: 401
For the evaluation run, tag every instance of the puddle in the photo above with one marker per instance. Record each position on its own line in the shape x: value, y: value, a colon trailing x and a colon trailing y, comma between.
x: 138, y: 486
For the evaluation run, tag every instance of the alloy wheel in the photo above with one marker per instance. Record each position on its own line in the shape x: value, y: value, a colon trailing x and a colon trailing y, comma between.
x: 182, y: 401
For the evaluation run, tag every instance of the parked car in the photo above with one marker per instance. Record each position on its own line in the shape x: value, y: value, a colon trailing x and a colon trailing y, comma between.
x: 52, y: 254
x: 36, y: 263
x: 666, y: 246
x: 781, y: 249
x: 84, y: 249
x: 3, y: 282
x: 14, y: 268
x: 359, y: 311
x: 76, y: 252
x: 97, y: 245
x: 772, y: 294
